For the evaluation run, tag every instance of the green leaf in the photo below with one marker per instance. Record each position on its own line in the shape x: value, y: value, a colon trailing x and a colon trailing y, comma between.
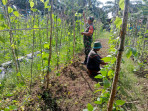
x: 99, y: 101
x: 34, y: 9
x: 110, y: 72
x: 21, y: 84
x: 42, y: 1
x: 3, y: 26
x: 35, y: 26
x: 118, y: 87
x: 121, y: 4
x: 59, y: 20
x: 10, y: 10
x: 98, y: 90
x: 104, y: 72
x: 118, y: 22
x: 44, y: 56
x: 89, y: 107
x: 106, y: 83
x: 106, y: 59
x: 49, y: 69
x: 1, y: 17
x: 46, y: 46
x: 4, y: 2
x: 113, y: 60
x: 31, y: 4
x: 99, y: 76
x: 2, y: 40
x: 9, y: 95
x: 18, y: 74
x: 146, y: 32
x: 97, y: 85
x: 128, y: 53
x: 46, y: 4
x: 1, y: 85
x: 13, y: 107
x: 134, y: 52
x: 39, y: 66
x: 58, y: 74
x: 120, y: 102
x: 16, y: 13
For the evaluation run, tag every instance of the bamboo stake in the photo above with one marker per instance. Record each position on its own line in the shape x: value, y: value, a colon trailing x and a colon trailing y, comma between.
x: 74, y: 39
x: 41, y: 45
x: 50, y: 46
x: 119, y: 56
x: 30, y: 28
x: 32, y: 52
x: 57, y: 49
x: 61, y: 33
x: 11, y: 38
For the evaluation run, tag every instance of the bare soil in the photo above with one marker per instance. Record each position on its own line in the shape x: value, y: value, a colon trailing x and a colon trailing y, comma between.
x: 73, y: 89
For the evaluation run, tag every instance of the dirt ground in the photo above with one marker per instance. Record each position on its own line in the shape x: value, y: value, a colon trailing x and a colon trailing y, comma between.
x: 73, y: 89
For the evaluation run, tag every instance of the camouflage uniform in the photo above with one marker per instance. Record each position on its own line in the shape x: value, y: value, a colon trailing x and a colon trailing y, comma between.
x: 87, y: 42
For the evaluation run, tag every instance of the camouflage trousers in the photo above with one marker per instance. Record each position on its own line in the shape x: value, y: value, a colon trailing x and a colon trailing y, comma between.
x: 87, y: 46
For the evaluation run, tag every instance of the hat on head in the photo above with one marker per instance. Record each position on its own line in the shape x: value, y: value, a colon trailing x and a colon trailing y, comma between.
x: 97, y: 45
x: 91, y: 18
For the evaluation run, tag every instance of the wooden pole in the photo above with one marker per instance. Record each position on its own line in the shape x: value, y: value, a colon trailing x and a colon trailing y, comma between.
x: 11, y: 37
x: 74, y: 39
x: 32, y: 56
x: 50, y: 46
x: 119, y: 56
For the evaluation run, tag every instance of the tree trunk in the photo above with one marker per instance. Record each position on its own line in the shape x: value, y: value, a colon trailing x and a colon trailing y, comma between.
x: 119, y: 56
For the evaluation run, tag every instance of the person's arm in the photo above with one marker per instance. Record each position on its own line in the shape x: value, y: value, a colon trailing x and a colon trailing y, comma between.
x: 85, y: 21
x: 89, y: 33
x: 103, y: 63
x: 99, y: 61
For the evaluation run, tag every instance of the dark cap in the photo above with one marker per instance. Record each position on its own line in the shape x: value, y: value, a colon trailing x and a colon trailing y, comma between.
x: 91, y: 18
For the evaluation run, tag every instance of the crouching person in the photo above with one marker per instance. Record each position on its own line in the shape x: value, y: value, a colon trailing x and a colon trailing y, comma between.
x: 94, y: 60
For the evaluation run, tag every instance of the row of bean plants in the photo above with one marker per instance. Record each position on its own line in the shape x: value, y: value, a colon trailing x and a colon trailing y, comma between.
x: 136, y: 42
x: 21, y: 35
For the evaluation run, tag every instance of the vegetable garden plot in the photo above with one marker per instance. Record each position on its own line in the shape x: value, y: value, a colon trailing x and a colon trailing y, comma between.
x: 25, y: 46
x: 37, y: 43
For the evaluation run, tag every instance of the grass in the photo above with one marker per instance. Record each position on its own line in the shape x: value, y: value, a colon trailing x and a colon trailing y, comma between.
x: 103, y: 34
x: 131, y: 87
x: 12, y: 79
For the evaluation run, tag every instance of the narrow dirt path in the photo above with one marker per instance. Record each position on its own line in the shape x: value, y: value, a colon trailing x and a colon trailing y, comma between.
x: 73, y: 89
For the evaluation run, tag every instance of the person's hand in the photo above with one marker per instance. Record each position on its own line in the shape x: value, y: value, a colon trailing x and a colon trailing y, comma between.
x: 83, y: 13
x: 82, y: 33
x: 104, y: 63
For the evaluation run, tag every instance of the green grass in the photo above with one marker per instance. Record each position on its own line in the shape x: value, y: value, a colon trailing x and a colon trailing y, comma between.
x: 104, y: 34
x: 130, y: 89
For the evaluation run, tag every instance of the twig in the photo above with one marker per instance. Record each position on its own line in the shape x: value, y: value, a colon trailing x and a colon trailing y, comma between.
x: 87, y: 82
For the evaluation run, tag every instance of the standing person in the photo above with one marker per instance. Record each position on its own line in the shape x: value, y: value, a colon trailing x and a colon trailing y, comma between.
x: 87, y: 35
x: 94, y: 59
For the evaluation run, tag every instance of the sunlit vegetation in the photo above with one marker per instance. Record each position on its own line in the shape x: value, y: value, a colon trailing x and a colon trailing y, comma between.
x: 40, y: 37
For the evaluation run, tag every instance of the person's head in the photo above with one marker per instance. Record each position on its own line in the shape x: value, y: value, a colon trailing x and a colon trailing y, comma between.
x: 97, y: 46
x: 90, y: 20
